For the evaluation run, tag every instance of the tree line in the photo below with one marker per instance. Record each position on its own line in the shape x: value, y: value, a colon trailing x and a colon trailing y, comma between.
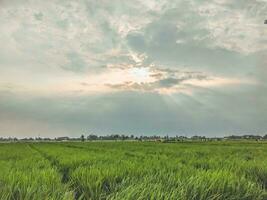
x: 94, y: 137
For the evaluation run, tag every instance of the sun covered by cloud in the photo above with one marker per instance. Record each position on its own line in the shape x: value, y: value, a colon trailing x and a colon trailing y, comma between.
x: 116, y: 79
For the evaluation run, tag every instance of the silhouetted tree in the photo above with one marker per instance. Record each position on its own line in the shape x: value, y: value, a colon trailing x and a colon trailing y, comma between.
x: 82, y: 138
x: 92, y: 137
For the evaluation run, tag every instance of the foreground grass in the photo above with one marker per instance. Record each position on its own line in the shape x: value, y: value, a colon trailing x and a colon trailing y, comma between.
x: 133, y: 170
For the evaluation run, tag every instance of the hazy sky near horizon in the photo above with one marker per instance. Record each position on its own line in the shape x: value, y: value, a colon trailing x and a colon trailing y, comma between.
x: 176, y: 67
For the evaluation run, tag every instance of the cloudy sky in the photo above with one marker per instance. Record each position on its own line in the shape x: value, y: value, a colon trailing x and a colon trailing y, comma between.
x: 176, y: 67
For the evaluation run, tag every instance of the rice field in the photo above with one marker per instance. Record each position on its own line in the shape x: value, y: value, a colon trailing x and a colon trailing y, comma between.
x: 133, y: 171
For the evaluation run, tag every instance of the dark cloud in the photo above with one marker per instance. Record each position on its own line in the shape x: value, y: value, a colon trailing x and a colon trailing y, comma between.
x: 164, y: 78
x: 38, y: 16
x: 196, y: 51
x: 76, y: 63
x: 169, y: 82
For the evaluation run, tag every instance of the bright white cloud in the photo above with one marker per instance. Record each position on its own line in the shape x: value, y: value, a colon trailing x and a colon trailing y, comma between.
x: 241, y: 30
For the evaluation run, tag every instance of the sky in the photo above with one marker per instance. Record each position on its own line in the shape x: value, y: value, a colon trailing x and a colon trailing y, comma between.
x: 143, y: 67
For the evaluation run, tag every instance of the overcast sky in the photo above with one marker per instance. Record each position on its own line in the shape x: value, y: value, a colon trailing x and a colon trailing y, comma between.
x: 144, y: 67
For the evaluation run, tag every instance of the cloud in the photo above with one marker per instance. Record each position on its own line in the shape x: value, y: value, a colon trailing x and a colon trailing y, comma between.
x: 208, y: 112
x: 76, y: 63
x: 141, y: 66
x: 168, y: 81
x: 239, y: 29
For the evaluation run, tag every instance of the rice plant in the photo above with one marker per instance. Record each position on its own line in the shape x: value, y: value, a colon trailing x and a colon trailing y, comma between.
x: 133, y: 170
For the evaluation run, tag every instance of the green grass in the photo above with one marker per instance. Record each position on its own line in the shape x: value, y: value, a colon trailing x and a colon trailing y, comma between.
x: 133, y: 171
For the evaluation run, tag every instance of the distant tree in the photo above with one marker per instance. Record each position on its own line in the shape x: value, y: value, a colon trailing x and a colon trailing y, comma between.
x: 92, y: 137
x: 82, y: 138
x: 124, y: 137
